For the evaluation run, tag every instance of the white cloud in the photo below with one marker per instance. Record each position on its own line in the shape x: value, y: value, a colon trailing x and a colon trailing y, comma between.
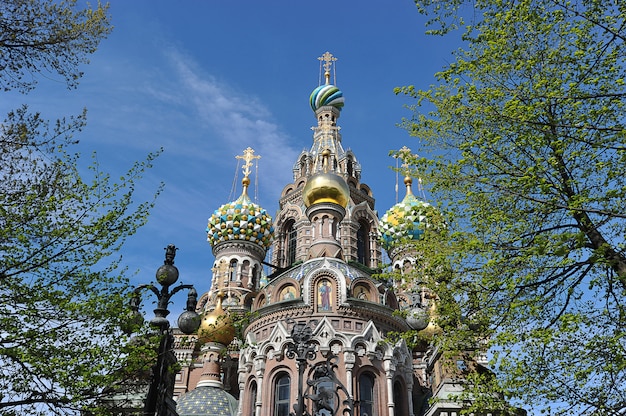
x: 236, y: 120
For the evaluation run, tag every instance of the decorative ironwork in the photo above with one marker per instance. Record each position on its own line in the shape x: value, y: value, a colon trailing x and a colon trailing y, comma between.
x: 159, y: 401
x: 323, y: 388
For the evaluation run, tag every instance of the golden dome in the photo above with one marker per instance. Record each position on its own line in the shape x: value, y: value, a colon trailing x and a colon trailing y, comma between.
x: 326, y: 187
x: 216, y: 326
x: 432, y: 328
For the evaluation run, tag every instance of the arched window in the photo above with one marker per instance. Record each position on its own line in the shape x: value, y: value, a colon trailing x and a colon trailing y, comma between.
x: 363, y: 243
x: 245, y: 272
x: 233, y: 270
x: 367, y: 405
x: 252, y: 396
x: 282, y: 391
x: 290, y: 242
x: 399, y: 399
x: 255, y: 276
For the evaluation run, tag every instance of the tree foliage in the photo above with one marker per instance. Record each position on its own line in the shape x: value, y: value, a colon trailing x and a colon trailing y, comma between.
x: 63, y: 294
x: 38, y: 37
x: 523, y: 141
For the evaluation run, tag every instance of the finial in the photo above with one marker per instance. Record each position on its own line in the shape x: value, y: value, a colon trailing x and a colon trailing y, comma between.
x: 170, y: 253
x: 405, y: 154
x: 325, y: 157
x: 408, y: 181
x: 248, y: 157
x: 328, y: 59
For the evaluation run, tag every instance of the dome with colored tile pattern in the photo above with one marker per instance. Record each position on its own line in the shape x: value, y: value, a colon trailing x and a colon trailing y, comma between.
x: 407, y: 220
x: 241, y: 220
x: 326, y: 95
x: 207, y: 401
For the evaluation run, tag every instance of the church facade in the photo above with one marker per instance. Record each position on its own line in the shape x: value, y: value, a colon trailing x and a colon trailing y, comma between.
x: 315, y: 338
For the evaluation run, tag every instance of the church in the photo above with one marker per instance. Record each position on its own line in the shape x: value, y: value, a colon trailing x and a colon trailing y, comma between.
x: 297, y: 317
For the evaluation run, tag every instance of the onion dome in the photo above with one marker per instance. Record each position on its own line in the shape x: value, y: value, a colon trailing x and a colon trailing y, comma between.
x: 241, y: 220
x: 417, y: 318
x: 407, y: 220
x: 326, y: 187
x: 326, y: 95
x: 216, y: 326
x: 207, y: 401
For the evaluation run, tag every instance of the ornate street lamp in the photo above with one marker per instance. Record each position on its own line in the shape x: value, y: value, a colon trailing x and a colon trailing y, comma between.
x: 159, y: 401
x: 323, y: 387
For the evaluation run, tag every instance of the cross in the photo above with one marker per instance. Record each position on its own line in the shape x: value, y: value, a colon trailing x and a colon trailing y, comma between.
x: 248, y: 156
x: 328, y: 58
x: 403, y: 154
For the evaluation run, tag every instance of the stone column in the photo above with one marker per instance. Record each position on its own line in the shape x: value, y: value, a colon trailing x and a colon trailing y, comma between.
x: 259, y: 368
x: 349, y: 359
x: 390, y: 368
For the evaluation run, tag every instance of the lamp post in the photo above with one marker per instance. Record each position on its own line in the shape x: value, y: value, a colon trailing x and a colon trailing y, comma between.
x: 323, y: 387
x: 159, y: 401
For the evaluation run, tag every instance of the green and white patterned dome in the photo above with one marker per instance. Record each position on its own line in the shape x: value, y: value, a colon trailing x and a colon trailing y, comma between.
x: 326, y: 95
x: 207, y: 401
x: 241, y: 220
x: 407, y: 220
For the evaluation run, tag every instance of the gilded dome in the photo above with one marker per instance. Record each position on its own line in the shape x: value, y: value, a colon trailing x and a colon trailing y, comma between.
x: 216, y: 326
x: 407, y: 220
x: 326, y: 95
x: 241, y: 220
x: 326, y: 187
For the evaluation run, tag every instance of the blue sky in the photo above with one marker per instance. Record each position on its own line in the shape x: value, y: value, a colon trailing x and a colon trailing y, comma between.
x: 206, y: 79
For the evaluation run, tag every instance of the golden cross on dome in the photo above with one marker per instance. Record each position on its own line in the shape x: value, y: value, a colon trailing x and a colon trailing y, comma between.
x: 248, y: 156
x: 403, y: 154
x: 328, y: 59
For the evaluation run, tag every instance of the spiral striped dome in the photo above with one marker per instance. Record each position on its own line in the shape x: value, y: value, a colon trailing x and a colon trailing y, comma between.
x: 325, y: 95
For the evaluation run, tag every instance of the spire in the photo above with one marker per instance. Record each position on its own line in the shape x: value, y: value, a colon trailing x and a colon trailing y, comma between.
x: 326, y: 101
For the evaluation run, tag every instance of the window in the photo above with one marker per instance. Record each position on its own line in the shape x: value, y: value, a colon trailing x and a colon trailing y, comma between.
x: 366, y: 395
x: 255, y: 276
x: 281, y: 395
x: 290, y: 243
x: 399, y: 399
x: 252, y: 403
x: 245, y: 269
x: 362, y: 243
x: 325, y: 390
x: 233, y: 270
